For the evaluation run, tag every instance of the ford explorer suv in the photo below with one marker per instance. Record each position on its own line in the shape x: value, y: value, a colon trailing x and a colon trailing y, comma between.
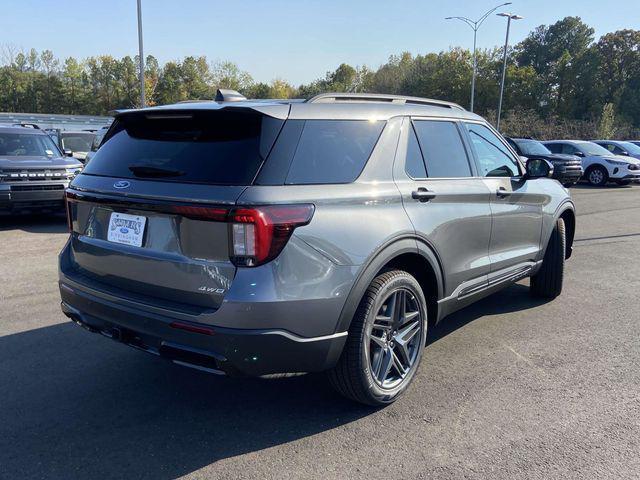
x: 33, y: 171
x: 599, y: 164
x: 567, y: 169
x: 257, y: 238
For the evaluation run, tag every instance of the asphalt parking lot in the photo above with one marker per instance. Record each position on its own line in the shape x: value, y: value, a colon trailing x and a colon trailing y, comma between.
x: 509, y: 388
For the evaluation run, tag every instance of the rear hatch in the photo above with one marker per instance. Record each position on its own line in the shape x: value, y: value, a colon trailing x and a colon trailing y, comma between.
x: 149, y: 214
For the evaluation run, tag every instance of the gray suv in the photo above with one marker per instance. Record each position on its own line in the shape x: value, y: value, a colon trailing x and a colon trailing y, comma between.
x: 33, y: 171
x: 279, y: 237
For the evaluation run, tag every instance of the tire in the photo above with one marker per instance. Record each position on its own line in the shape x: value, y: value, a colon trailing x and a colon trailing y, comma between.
x: 360, y: 374
x: 547, y: 283
x: 597, y: 176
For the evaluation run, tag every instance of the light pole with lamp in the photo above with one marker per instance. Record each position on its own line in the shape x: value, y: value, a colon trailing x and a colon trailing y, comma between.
x: 141, y: 54
x: 475, y: 25
x: 510, y: 16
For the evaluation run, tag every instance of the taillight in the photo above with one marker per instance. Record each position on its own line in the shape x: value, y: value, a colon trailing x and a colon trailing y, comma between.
x: 67, y: 207
x: 258, y: 234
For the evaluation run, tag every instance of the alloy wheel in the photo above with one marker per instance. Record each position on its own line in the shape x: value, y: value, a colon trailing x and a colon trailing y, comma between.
x: 596, y: 176
x: 394, y: 338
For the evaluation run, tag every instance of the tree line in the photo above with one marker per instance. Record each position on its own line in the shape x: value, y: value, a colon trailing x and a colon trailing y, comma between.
x: 561, y: 82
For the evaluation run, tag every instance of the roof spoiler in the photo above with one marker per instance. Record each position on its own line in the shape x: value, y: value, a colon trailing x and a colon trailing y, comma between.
x: 228, y: 95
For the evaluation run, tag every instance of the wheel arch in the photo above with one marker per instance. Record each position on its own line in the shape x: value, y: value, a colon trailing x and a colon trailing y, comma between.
x: 408, y: 253
x: 566, y: 211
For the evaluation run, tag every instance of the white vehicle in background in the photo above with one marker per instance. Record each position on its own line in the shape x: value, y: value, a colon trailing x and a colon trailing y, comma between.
x: 599, y: 164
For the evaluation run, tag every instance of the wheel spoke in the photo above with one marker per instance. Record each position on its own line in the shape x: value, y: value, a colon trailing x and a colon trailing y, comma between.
x: 385, y: 365
x: 397, y: 363
x: 408, y: 316
x: 399, y: 306
x: 377, y: 340
x: 383, y: 322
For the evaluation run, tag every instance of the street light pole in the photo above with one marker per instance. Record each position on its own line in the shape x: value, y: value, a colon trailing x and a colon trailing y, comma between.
x: 475, y: 25
x: 504, y: 61
x: 141, y: 54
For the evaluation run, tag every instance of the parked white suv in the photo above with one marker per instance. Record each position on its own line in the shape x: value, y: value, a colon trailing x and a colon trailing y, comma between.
x: 599, y: 164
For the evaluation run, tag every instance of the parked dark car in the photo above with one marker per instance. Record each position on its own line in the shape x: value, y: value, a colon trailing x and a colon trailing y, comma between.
x: 73, y: 143
x: 33, y: 171
x: 567, y: 169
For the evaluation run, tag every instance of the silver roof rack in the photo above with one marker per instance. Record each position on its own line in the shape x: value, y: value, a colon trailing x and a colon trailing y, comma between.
x: 381, y: 98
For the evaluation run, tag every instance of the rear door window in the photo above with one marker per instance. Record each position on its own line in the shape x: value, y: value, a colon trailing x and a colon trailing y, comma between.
x: 333, y: 151
x: 219, y: 147
x: 442, y: 148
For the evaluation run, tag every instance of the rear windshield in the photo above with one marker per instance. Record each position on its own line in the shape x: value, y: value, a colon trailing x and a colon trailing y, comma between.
x: 27, y: 145
x: 219, y: 148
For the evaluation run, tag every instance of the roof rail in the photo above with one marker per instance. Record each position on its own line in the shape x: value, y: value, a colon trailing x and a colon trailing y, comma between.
x: 195, y: 101
x: 27, y: 125
x: 377, y: 97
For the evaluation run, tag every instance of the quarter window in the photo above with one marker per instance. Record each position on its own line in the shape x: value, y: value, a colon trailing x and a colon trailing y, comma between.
x: 333, y: 151
x: 494, y: 159
x: 414, y: 164
x: 442, y: 148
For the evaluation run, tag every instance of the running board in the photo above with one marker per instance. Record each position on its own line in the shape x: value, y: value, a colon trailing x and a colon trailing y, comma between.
x: 486, y: 282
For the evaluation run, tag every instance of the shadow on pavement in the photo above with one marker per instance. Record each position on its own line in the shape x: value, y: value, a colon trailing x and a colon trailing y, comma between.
x: 44, y: 223
x: 512, y: 299
x: 76, y: 405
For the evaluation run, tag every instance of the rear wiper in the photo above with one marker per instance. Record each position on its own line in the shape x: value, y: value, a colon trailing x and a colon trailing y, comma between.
x: 151, y: 171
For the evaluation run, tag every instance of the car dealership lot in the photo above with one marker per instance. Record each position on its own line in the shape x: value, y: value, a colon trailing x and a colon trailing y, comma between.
x: 509, y: 387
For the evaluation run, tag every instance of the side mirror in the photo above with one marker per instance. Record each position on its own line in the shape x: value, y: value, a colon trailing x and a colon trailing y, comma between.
x: 579, y: 154
x: 539, y: 168
x: 624, y: 152
x: 67, y: 152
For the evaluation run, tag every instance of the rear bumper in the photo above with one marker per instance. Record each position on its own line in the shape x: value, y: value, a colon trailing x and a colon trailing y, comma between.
x: 234, y: 352
x: 15, y: 198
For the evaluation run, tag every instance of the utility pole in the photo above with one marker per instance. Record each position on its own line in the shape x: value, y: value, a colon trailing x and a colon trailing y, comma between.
x: 141, y: 55
x: 475, y: 25
x: 510, y: 17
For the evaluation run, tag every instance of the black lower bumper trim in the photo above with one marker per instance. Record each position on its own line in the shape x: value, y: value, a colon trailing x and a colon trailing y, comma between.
x: 234, y: 352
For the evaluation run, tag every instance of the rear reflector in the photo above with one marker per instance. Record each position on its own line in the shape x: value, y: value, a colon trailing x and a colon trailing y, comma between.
x: 192, y: 328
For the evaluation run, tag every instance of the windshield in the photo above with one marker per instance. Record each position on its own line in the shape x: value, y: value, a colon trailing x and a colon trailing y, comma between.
x: 630, y: 147
x: 532, y: 147
x: 27, y: 145
x: 77, y: 142
x: 589, y: 148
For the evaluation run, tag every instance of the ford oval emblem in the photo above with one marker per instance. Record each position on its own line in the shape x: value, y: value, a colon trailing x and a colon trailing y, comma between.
x: 122, y: 184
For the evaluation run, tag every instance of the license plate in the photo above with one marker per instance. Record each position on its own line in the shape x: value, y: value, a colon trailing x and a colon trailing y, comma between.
x: 126, y: 229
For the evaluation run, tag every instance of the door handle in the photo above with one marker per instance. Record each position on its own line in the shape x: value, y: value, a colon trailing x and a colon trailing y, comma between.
x: 423, y: 195
x: 503, y: 192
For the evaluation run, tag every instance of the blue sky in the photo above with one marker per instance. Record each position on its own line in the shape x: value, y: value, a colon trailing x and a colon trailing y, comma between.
x: 298, y: 40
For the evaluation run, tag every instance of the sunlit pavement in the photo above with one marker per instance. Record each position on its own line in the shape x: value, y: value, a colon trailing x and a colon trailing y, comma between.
x: 508, y: 388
